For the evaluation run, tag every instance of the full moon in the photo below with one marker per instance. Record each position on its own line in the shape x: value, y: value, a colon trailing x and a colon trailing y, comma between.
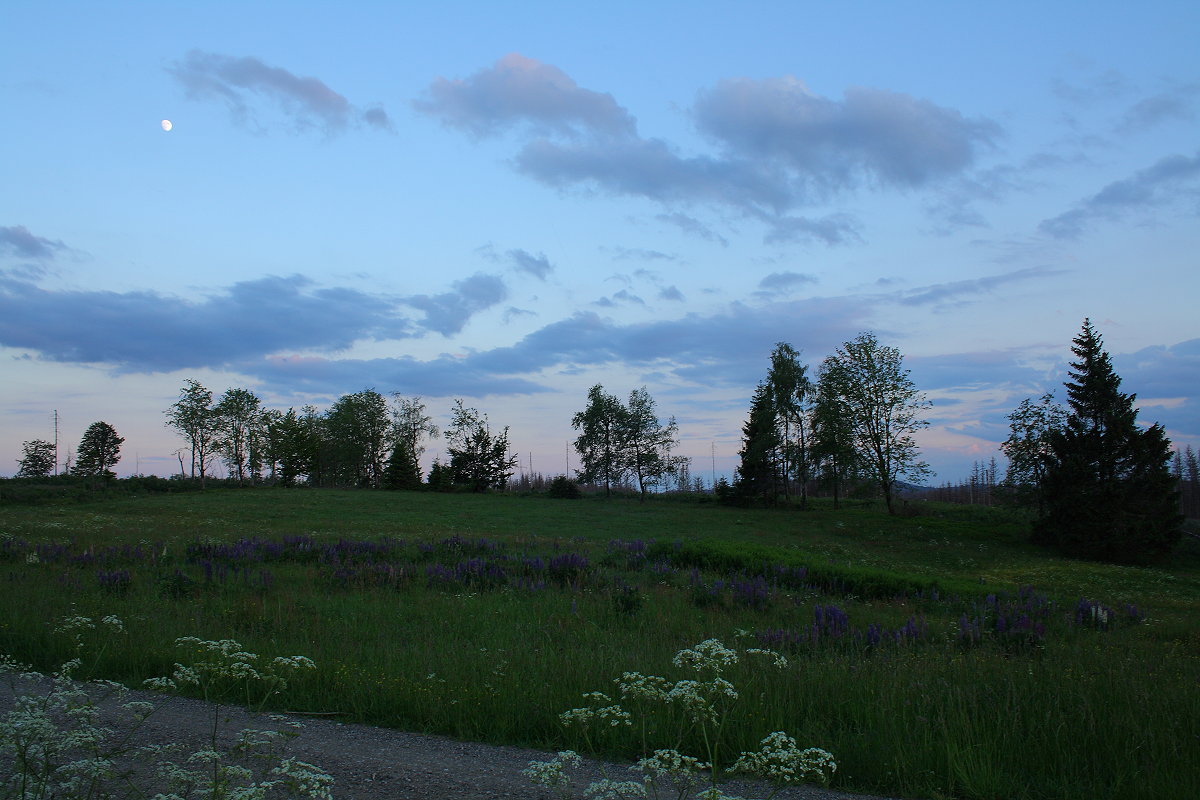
x: 166, y: 124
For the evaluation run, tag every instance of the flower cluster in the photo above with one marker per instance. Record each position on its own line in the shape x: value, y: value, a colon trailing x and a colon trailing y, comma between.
x: 612, y: 714
x: 781, y: 761
x: 54, y: 744
x: 710, y: 654
x: 552, y: 774
x: 704, y: 703
x: 682, y: 772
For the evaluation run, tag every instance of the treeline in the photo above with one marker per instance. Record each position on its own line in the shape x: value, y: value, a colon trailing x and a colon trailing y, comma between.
x: 981, y: 486
x: 1186, y: 470
x: 363, y: 440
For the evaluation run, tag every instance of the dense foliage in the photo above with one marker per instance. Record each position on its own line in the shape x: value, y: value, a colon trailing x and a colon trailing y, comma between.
x: 1108, y: 489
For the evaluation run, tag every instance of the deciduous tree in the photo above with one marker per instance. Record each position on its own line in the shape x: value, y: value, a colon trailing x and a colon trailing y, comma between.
x: 192, y: 416
x: 601, y: 440
x: 359, y: 429
x: 411, y: 426
x: 99, y: 451
x: 38, y: 460
x: 289, y: 450
x: 883, y: 409
x: 240, y: 427
x: 478, y: 457
x: 1028, y: 445
x: 647, y: 441
x: 790, y: 391
x: 833, y: 445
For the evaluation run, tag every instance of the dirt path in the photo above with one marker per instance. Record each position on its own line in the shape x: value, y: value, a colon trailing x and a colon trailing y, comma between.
x: 370, y: 763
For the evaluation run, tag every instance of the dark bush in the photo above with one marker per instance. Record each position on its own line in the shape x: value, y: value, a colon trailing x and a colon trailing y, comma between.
x: 563, y: 488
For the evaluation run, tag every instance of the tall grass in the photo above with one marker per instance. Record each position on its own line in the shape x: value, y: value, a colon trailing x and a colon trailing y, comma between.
x: 484, y: 617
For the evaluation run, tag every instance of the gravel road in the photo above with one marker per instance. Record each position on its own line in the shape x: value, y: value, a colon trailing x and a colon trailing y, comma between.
x: 370, y: 763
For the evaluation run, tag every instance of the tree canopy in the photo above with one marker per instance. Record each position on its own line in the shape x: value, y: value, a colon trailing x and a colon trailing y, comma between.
x: 99, y: 451
x: 478, y: 457
x: 39, y: 459
x: 882, y: 409
x: 624, y: 439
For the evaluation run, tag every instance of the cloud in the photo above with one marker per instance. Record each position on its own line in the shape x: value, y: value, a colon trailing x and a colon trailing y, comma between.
x: 882, y: 137
x: 652, y: 169
x: 512, y: 312
x: 149, y: 332
x: 18, y: 241
x: 538, y: 266
x: 1175, y: 105
x: 1161, y: 371
x: 308, y: 101
x: 446, y: 376
x: 1162, y: 183
x: 449, y: 312
x: 1091, y: 89
x: 954, y: 290
x: 1165, y: 381
x: 1008, y: 369
x: 692, y: 227
x: 671, y: 293
x: 728, y: 348
x: 517, y: 89
x: 831, y: 230
x: 639, y: 254
x: 780, y: 145
x: 622, y: 297
x: 783, y: 282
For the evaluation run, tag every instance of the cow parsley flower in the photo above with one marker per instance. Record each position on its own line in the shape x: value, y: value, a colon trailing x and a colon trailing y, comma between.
x: 709, y: 654
x: 635, y: 685
x: 552, y: 774
x: 608, y: 789
x: 779, y: 659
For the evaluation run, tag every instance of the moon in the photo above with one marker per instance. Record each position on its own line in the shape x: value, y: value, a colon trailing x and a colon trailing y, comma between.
x: 166, y: 125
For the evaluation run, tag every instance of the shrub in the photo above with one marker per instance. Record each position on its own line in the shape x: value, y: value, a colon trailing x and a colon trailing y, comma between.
x: 563, y: 488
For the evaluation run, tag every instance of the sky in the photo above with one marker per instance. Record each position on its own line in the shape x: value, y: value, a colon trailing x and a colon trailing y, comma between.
x: 512, y: 203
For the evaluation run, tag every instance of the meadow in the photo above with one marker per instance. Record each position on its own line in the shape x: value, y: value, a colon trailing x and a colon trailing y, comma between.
x: 936, y: 655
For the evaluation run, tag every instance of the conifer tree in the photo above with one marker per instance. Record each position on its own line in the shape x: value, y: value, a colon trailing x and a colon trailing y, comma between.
x: 1109, y: 493
x: 757, y: 476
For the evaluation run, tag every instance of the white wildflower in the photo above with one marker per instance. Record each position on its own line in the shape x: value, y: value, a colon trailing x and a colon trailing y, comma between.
x: 779, y: 659
x: 607, y: 789
x: 294, y: 662
x: 635, y: 685
x: 672, y: 765
x: 552, y: 774
x: 576, y: 716
x: 709, y: 654
x: 781, y: 761
x: 305, y: 778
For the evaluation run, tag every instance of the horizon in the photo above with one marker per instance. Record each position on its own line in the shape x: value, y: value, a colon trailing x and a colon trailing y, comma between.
x: 510, y: 207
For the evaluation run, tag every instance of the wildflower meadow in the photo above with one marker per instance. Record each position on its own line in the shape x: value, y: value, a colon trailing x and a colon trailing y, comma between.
x: 934, y: 655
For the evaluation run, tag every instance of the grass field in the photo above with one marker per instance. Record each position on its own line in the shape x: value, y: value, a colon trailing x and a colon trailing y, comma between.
x: 936, y: 655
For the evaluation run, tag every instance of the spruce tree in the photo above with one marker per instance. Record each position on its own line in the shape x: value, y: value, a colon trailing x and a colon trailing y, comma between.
x: 757, y: 474
x: 1109, y: 493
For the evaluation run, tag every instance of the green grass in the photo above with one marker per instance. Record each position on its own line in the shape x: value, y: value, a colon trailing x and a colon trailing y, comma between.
x: 1083, y: 714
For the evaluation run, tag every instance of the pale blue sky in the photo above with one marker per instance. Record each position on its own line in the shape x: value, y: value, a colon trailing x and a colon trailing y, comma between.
x: 511, y: 205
